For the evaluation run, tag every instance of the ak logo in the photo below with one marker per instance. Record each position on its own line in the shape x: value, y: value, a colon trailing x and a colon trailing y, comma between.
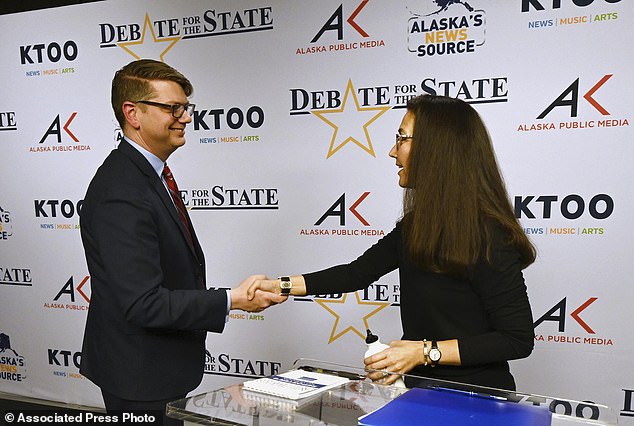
x: 558, y: 315
x: 574, y: 97
x: 55, y: 129
x: 569, y: 98
x: 338, y: 213
x: 71, y: 297
x: 338, y: 210
x: 342, y: 32
x: 60, y: 137
x: 336, y: 23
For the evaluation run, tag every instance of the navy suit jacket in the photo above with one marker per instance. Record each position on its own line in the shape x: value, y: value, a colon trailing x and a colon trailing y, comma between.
x: 149, y: 309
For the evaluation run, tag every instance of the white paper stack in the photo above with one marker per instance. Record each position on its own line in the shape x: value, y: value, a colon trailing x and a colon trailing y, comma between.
x: 295, y: 384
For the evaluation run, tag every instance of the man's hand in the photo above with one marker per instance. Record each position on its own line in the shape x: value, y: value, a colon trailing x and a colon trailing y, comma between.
x: 260, y: 299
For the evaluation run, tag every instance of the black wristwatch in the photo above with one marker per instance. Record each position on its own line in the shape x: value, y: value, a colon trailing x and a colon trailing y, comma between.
x: 285, y: 286
x: 434, y: 353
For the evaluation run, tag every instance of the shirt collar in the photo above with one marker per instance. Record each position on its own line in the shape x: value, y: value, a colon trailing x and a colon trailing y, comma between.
x: 156, y: 163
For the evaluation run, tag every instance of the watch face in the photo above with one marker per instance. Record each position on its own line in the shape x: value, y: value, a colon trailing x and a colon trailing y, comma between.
x: 434, y: 355
x: 286, y: 284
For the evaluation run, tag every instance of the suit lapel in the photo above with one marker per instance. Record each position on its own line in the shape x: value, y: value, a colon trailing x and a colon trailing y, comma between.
x: 160, y: 190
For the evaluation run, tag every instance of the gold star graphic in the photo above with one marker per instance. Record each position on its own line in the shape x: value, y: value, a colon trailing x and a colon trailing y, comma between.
x: 152, y: 48
x: 351, y: 122
x: 346, y: 313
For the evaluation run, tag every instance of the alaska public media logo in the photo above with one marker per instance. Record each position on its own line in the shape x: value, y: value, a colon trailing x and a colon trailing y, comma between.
x: 12, y: 364
x: 60, y: 138
x: 343, y: 219
x: 446, y: 27
x: 582, y: 332
x: 154, y: 38
x: 71, y: 297
x: 581, y: 96
x: 341, y: 32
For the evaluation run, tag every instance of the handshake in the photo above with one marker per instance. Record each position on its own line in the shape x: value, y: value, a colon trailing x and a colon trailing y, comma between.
x: 257, y: 293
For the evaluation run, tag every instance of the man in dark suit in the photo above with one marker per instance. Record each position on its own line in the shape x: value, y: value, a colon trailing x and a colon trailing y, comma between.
x: 144, y: 342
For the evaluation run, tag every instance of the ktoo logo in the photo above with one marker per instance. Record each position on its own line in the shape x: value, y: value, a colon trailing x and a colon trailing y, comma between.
x: 64, y: 358
x: 234, y: 118
x: 51, y: 208
x: 52, y: 52
x: 572, y: 206
x: 556, y: 4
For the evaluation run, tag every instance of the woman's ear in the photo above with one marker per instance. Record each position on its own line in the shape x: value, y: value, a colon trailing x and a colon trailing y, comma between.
x: 130, y: 111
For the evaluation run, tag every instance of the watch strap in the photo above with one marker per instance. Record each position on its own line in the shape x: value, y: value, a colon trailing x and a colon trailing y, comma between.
x: 285, y: 285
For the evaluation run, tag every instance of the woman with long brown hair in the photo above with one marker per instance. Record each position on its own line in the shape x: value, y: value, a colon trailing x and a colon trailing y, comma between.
x: 459, y: 249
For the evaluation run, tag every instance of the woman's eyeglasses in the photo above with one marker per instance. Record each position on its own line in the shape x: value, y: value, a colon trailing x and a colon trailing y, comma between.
x: 400, y: 139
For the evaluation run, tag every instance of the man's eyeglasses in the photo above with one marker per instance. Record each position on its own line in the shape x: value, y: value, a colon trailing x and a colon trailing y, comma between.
x: 400, y: 139
x: 177, y: 109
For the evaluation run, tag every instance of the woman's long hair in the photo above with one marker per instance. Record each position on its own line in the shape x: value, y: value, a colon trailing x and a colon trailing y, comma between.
x: 455, y: 193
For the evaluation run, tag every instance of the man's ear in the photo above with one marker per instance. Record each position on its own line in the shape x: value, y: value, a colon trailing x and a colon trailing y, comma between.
x: 130, y: 113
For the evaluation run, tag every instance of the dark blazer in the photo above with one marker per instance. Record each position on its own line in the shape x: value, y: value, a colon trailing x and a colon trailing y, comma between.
x: 149, y: 310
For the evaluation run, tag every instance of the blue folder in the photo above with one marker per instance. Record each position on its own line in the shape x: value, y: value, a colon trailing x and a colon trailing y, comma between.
x: 453, y: 407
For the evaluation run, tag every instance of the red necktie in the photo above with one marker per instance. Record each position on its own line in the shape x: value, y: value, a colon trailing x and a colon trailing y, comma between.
x: 173, y: 189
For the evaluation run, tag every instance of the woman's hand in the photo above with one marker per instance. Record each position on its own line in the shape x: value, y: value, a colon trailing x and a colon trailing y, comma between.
x: 401, y: 357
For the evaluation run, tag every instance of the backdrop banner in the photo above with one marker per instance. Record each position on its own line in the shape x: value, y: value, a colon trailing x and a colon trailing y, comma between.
x: 286, y: 169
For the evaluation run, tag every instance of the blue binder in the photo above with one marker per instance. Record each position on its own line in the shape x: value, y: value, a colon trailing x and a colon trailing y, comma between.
x: 452, y: 407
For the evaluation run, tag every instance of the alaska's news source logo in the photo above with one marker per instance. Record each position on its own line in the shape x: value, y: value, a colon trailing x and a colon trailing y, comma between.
x: 446, y: 27
x: 12, y: 364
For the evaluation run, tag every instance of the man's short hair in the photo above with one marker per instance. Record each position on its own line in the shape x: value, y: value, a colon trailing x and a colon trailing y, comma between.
x: 132, y: 83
